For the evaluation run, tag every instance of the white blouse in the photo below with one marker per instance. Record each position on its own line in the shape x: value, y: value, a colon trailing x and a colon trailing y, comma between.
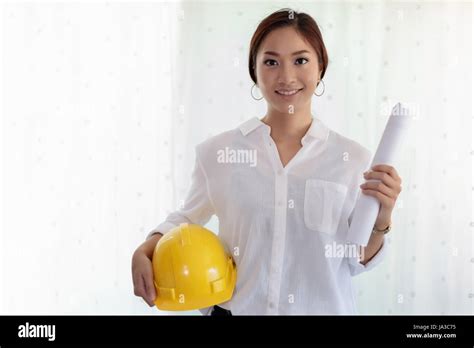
x: 286, y: 226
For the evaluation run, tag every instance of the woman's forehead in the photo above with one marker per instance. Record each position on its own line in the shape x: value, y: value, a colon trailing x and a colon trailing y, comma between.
x: 285, y: 41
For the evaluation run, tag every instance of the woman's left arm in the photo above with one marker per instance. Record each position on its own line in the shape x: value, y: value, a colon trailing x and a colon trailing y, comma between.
x: 386, y: 189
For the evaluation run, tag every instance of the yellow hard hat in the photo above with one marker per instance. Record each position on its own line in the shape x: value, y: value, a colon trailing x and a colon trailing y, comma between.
x: 192, y: 269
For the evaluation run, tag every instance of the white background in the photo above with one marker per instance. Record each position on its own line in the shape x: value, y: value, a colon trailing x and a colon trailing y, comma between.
x: 103, y: 103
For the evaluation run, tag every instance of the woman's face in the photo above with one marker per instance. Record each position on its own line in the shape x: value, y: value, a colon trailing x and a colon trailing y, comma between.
x: 286, y: 63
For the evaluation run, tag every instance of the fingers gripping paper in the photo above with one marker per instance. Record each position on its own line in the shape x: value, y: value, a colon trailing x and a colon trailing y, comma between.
x: 367, y: 207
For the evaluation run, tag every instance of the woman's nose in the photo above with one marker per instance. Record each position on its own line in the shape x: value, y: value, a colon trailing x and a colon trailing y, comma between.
x: 286, y: 75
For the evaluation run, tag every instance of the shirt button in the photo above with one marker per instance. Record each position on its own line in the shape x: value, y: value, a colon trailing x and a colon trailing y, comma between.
x: 280, y: 172
x: 280, y: 203
x: 271, y: 305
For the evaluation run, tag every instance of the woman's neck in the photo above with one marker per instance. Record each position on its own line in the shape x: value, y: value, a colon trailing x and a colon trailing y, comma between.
x: 287, y: 127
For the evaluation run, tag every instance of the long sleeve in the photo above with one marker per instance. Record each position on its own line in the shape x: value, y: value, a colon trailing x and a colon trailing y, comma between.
x: 197, y: 208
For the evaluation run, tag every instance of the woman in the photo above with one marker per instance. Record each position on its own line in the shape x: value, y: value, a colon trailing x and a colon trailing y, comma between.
x: 285, y: 214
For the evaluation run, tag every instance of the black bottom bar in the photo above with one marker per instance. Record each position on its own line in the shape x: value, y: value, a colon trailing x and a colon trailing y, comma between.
x: 290, y: 330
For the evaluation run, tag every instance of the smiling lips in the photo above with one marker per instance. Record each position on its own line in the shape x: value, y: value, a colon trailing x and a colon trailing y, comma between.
x: 287, y: 92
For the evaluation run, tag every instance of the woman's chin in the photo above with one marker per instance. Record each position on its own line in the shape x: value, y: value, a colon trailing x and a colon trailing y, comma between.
x: 288, y: 106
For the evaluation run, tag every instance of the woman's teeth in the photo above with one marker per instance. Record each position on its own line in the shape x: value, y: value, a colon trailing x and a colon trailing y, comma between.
x: 282, y: 92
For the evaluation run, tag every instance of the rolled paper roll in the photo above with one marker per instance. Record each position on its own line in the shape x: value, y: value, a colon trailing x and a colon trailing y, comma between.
x: 367, y: 208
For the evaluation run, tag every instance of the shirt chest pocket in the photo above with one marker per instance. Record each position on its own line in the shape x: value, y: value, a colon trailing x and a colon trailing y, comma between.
x: 323, y: 203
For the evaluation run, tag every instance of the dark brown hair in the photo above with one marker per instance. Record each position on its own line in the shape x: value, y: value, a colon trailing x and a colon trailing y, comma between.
x: 303, y: 23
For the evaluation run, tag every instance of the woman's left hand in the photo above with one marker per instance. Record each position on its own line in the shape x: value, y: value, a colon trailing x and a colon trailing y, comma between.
x: 386, y: 189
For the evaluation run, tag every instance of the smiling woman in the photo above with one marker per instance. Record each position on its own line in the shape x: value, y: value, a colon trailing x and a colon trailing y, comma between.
x: 287, y: 59
x: 289, y: 212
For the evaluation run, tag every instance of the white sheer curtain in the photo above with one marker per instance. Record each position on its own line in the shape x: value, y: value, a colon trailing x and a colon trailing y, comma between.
x: 90, y: 150
x: 102, y: 105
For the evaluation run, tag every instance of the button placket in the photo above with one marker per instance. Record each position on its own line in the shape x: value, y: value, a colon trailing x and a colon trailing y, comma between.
x: 276, y: 263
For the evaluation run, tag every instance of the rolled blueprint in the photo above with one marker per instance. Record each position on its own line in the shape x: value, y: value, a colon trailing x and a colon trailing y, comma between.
x: 367, y: 207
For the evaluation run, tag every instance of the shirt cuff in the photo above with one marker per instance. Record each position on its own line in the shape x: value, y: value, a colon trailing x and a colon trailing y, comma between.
x: 356, y: 267
x: 162, y: 228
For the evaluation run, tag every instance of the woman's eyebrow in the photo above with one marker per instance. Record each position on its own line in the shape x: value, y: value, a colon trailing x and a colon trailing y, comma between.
x: 293, y: 54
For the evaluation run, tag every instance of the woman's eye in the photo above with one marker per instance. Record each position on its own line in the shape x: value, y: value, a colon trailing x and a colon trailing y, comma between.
x: 270, y: 60
x: 299, y: 59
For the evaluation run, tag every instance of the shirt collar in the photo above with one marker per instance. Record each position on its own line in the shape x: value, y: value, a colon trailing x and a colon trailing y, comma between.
x: 250, y: 125
x: 317, y: 130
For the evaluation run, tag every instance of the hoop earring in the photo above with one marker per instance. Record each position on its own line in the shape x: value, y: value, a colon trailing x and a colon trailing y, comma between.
x: 251, y: 93
x: 324, y: 88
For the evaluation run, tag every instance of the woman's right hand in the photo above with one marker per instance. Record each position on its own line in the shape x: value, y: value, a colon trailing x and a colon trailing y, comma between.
x: 142, y: 270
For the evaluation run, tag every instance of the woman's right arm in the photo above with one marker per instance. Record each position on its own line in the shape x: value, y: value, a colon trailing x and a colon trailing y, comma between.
x: 197, y: 209
x: 142, y: 270
x: 148, y: 246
